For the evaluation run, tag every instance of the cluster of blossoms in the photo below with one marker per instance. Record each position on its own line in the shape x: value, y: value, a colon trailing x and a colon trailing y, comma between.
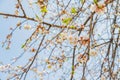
x: 55, y: 62
x: 43, y: 31
x: 40, y: 73
x: 27, y: 26
x: 82, y: 58
x: 74, y: 40
x: 4, y: 68
x: 93, y: 53
x: 84, y: 40
x: 8, y: 67
x: 8, y: 40
x: 99, y: 8
x: 61, y: 59
x: 62, y: 37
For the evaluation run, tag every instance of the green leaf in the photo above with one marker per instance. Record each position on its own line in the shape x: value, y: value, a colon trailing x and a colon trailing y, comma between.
x: 44, y: 9
x: 72, y: 27
x: 73, y: 10
x: 95, y: 1
x: 82, y: 1
x: 66, y: 20
x: 23, y: 46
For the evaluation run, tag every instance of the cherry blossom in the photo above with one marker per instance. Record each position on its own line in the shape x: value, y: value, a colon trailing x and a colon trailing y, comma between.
x: 99, y: 8
x: 27, y: 26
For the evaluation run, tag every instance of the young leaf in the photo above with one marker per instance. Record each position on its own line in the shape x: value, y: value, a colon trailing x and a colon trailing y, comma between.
x: 73, y: 10
x: 44, y: 9
x: 23, y: 46
x: 95, y: 1
x: 72, y: 27
x: 82, y: 1
x: 66, y: 20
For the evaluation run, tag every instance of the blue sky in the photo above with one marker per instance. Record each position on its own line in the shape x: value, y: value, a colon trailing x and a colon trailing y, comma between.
x: 20, y: 36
